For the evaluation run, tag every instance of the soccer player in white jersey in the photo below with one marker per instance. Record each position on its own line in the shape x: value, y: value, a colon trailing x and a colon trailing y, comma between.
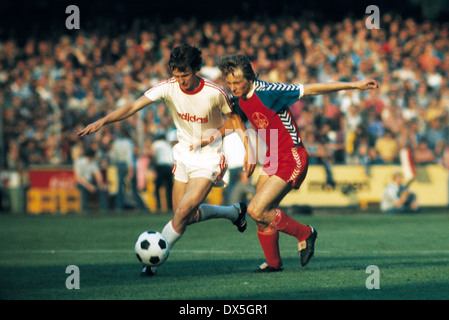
x: 196, y: 105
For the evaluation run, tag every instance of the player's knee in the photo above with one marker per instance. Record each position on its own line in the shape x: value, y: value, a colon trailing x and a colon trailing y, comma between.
x: 183, y: 215
x: 255, y: 213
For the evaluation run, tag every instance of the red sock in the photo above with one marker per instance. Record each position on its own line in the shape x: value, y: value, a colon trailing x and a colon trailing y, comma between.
x: 290, y: 226
x: 268, y: 239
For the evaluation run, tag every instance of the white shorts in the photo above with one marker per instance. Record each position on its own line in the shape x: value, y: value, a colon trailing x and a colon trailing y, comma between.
x: 207, y: 163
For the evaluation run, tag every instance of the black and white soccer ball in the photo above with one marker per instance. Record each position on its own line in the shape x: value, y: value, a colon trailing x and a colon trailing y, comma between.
x: 152, y: 248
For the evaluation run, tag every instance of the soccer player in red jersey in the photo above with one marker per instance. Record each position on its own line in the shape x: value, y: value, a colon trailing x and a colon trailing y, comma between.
x: 265, y: 105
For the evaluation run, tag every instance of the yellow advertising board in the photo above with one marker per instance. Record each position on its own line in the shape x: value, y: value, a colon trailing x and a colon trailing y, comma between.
x: 355, y: 185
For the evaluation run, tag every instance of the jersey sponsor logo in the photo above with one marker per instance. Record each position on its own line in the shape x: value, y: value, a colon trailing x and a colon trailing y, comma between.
x: 260, y: 120
x: 193, y: 118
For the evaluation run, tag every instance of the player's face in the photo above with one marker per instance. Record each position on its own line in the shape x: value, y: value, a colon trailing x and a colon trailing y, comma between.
x: 188, y: 81
x: 398, y: 179
x: 238, y: 84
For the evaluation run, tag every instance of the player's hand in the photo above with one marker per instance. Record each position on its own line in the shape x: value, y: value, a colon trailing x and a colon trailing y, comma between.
x: 91, y: 128
x: 367, y: 84
x: 405, y: 193
x: 249, y: 168
x: 249, y: 162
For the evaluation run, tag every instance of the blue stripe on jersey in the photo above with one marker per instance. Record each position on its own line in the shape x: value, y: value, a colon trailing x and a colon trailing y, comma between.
x: 277, y: 96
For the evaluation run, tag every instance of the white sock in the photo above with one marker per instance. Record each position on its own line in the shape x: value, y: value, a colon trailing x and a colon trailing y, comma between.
x: 207, y: 211
x: 171, y: 234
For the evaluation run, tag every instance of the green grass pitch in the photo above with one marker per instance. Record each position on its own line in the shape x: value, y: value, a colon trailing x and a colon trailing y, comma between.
x: 214, y: 261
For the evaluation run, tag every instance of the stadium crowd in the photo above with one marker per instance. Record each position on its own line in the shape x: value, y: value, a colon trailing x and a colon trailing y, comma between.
x: 50, y: 88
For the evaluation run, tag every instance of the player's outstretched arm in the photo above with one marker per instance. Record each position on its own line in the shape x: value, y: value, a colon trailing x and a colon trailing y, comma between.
x: 120, y: 114
x: 322, y: 88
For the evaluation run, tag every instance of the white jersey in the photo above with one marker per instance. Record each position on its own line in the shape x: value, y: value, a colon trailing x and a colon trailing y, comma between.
x: 122, y: 151
x: 193, y: 112
x: 162, y: 151
x: 389, y: 197
x: 86, y: 168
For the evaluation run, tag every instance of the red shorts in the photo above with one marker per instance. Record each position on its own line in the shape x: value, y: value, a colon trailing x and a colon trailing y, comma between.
x: 290, y: 165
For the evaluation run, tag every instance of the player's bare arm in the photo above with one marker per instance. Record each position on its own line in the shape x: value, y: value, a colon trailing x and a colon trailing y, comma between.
x: 225, y: 129
x: 232, y: 124
x: 249, y: 161
x: 322, y: 88
x: 120, y: 114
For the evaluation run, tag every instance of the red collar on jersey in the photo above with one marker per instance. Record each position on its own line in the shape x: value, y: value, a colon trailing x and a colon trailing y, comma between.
x: 200, y: 87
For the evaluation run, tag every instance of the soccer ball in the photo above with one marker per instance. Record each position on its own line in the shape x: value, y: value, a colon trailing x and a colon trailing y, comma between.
x: 152, y: 248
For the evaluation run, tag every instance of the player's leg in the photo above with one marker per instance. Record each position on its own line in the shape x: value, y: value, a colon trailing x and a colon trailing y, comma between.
x: 268, y: 236
x: 270, y: 191
x: 190, y: 209
x: 186, y: 208
x: 236, y: 213
x: 186, y: 199
x: 170, y: 231
x: 213, y: 166
x: 263, y: 209
x: 270, y: 219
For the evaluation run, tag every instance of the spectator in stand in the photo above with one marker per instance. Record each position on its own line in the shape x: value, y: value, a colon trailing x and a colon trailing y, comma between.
x: 398, y: 198
x: 375, y: 127
x: 134, y: 183
x: 121, y: 155
x: 407, y: 136
x: 80, y: 75
x: 369, y: 157
x: 13, y: 158
x: 436, y: 136
x: 315, y: 149
x: 332, y: 113
x: 242, y: 189
x: 423, y: 155
x: 89, y: 179
x: 387, y: 147
x: 162, y: 155
x: 210, y: 69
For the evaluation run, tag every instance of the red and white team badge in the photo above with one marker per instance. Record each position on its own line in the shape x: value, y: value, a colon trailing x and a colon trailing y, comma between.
x: 260, y: 120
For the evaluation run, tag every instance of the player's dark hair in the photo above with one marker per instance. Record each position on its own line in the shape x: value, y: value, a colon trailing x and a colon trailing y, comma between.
x: 229, y: 65
x: 185, y: 56
x: 89, y: 152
